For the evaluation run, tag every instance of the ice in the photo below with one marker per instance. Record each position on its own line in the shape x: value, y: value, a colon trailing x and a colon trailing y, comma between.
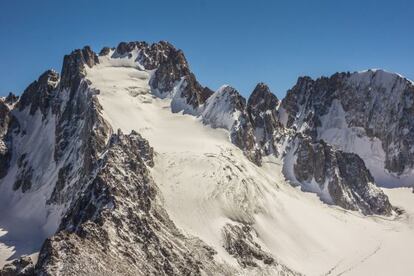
x: 206, y: 182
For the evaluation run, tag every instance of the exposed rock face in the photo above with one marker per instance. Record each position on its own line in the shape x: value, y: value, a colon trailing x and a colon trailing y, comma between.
x: 227, y: 109
x: 379, y: 103
x: 81, y: 130
x: 172, y: 77
x: 19, y: 267
x: 337, y: 177
x: 262, y: 109
x: 149, y: 56
x: 4, y: 116
x: 74, y: 65
x: 5, y: 153
x: 119, y: 220
x: 39, y: 94
x: 69, y: 133
x: 173, y: 73
x: 113, y: 222
x: 238, y: 241
x: 105, y: 51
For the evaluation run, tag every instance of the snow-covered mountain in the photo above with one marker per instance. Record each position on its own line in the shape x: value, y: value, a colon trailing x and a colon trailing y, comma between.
x: 370, y: 113
x: 124, y: 164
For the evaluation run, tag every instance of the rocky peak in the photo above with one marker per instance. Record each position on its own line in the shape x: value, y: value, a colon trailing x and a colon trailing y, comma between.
x: 150, y: 56
x: 376, y: 78
x: 105, y: 51
x: 262, y: 98
x: 172, y: 76
x: 232, y: 97
x: 125, y: 48
x: 226, y: 109
x: 39, y: 94
x: 378, y: 102
x: 262, y: 109
x: 73, y: 69
x: 170, y: 71
x: 309, y: 93
x: 11, y: 98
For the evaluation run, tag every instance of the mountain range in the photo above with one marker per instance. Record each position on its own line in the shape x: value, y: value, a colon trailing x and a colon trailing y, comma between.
x: 124, y: 164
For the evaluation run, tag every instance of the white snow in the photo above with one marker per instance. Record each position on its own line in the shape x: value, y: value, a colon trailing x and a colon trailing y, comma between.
x: 25, y: 219
x: 335, y: 131
x: 219, y: 111
x: 206, y: 181
x: 381, y: 72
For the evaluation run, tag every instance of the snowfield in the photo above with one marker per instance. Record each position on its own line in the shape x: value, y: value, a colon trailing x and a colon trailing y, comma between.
x: 207, y: 182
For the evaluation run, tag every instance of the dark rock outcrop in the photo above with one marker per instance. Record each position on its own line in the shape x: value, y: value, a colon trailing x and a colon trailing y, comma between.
x: 262, y: 109
x: 172, y: 77
x: 174, y: 70
x: 119, y: 220
x: 105, y: 51
x: 39, y: 94
x: 19, y: 267
x: 5, y: 151
x: 4, y: 117
x: 73, y: 69
x: 337, y: 177
x: 380, y: 103
x: 239, y: 242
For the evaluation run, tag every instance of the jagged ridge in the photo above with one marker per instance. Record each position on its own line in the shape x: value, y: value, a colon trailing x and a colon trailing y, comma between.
x: 69, y: 107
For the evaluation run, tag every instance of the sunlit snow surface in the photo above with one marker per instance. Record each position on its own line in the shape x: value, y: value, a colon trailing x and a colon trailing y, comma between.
x: 206, y: 181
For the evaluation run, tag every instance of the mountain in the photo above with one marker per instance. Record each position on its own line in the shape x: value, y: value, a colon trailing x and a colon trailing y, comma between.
x: 369, y: 113
x: 124, y: 164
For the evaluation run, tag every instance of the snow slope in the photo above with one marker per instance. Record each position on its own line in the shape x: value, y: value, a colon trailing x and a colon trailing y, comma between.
x: 335, y: 131
x: 207, y: 182
x: 25, y: 219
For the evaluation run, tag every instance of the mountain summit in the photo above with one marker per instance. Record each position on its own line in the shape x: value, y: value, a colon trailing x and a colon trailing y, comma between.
x: 124, y: 164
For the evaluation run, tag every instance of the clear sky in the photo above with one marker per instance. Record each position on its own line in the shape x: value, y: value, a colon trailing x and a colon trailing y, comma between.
x: 226, y: 42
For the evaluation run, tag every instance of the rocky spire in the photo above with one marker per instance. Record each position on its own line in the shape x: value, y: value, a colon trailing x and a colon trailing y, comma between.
x: 73, y: 69
x: 226, y: 108
x: 262, y: 98
x: 174, y: 69
x: 262, y: 109
x: 11, y: 98
x: 39, y: 94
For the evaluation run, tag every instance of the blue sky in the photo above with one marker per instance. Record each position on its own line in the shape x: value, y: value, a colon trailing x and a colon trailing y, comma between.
x: 226, y: 42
